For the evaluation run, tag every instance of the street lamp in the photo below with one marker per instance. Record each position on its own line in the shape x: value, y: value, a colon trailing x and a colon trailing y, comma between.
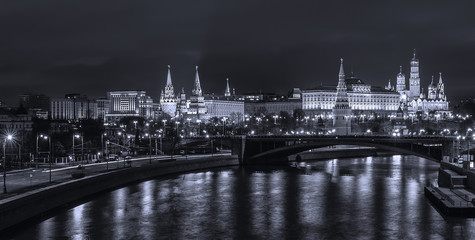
x: 199, y: 126
x: 224, y: 125
x: 164, y: 127
x: 469, y: 139
x: 258, y: 121
x: 149, y: 147
x: 102, y: 145
x: 9, y: 137
x: 82, y: 146
x: 45, y: 137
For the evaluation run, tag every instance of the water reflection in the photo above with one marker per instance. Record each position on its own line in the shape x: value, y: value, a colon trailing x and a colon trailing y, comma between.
x: 373, y: 197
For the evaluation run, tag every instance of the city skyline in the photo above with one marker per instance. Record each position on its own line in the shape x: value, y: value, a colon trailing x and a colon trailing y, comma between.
x: 57, y: 48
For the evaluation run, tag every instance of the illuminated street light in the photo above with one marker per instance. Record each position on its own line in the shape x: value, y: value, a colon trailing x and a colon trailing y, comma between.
x: 9, y: 137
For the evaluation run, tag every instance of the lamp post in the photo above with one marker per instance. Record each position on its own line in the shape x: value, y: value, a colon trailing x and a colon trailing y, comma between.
x: 164, y: 126
x: 161, y: 146
x: 36, y: 149
x: 224, y: 125
x: 199, y: 126
x: 72, y: 151
x: 258, y: 121
x: 469, y: 138
x: 49, y: 155
x: 149, y: 148
x: 82, y: 147
x: 107, y: 157
x: 8, y: 137
x: 346, y: 118
x: 102, y: 144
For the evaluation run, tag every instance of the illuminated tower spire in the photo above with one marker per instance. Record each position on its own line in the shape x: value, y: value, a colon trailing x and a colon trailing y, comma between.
x: 441, y: 88
x: 432, y: 90
x: 341, y: 110
x: 197, y: 108
x: 169, y: 77
x: 389, y: 87
x: 197, y: 90
x: 169, y: 91
x: 414, y: 80
x: 227, y: 92
x: 168, y: 101
x: 401, y: 81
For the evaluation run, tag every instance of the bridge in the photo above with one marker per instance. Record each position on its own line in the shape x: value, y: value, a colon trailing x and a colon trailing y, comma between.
x: 276, y: 149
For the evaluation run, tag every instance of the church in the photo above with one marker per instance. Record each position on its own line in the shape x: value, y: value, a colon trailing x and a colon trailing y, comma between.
x: 415, y: 101
x: 200, y: 106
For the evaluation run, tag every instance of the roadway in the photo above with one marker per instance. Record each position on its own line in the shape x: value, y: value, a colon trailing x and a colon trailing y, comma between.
x: 20, y: 181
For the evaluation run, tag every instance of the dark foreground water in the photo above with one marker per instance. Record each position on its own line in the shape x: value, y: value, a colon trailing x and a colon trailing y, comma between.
x: 361, y: 198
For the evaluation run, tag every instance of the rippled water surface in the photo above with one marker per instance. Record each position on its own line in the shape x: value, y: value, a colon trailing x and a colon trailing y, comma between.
x: 361, y: 198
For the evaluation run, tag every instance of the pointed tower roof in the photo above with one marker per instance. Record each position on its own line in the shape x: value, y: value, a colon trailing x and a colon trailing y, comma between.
x: 432, y: 85
x: 197, y: 89
x: 440, y: 78
x: 342, y: 72
x: 169, y: 77
x: 227, y: 92
x: 414, y: 55
x: 400, y: 74
x: 341, y: 94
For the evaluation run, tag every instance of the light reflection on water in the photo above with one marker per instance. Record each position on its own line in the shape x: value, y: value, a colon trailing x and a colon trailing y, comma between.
x: 373, y: 197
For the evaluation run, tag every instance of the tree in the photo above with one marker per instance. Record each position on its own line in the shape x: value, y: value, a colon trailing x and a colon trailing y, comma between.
x: 286, y: 121
x: 299, y: 114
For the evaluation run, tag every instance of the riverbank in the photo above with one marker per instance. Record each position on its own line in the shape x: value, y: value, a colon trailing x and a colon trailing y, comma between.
x: 454, y: 196
x: 19, y: 208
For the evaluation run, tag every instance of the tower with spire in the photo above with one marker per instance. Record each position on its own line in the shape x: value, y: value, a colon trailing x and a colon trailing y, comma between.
x: 197, y: 107
x: 227, y: 92
x: 341, y: 110
x: 400, y: 81
x: 432, y: 90
x: 168, y: 101
x: 441, y: 89
x: 414, y: 80
x: 389, y: 87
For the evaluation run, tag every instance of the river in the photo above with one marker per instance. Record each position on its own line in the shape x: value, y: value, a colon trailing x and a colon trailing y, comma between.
x: 355, y: 198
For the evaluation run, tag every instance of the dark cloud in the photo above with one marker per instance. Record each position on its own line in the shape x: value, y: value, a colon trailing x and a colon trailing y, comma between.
x: 57, y: 47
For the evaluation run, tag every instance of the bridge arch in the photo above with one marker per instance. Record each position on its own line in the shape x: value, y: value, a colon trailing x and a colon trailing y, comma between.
x: 431, y: 149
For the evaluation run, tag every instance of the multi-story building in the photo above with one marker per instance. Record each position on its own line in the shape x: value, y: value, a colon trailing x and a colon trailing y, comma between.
x: 15, y: 123
x: 37, y: 105
x: 129, y: 103
x: 271, y: 103
x: 283, y: 104
x: 34, y: 100
x: 362, y: 97
x: 103, y: 108
x: 225, y: 106
x: 73, y: 107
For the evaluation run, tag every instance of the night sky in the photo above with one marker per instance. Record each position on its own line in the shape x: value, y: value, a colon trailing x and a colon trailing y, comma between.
x: 89, y: 47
